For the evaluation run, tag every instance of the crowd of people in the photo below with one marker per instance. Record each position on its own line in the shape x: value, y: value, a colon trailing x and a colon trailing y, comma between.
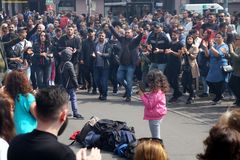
x: 186, y: 48
x: 159, y: 51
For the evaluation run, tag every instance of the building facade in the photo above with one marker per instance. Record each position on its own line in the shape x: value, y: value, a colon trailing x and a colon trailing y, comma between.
x: 115, y: 7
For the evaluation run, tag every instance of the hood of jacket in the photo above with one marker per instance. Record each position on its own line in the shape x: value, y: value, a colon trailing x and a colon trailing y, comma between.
x: 66, y: 55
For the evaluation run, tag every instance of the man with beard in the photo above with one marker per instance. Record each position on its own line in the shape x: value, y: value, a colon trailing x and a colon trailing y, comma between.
x: 101, y: 65
x: 128, y: 58
x: 86, y: 61
x: 41, y: 144
x: 72, y: 42
x: 174, y: 65
x: 159, y: 42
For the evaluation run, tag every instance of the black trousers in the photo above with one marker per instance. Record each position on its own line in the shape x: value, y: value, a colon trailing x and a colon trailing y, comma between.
x: 217, y: 88
x: 187, y: 82
x: 173, y: 79
x: 234, y: 84
x: 89, y: 77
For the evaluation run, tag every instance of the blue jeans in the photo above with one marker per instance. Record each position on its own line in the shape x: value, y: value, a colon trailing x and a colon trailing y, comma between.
x: 125, y: 77
x: 161, y: 67
x: 101, y: 80
x: 73, y: 99
x: 205, y: 86
x: 113, y: 77
x: 43, y: 75
x: 154, y: 126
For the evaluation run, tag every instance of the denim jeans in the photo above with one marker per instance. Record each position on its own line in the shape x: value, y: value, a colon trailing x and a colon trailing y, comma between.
x: 73, y: 99
x: 154, y: 126
x: 33, y: 75
x: 113, y: 77
x: 101, y: 79
x: 205, y: 86
x: 161, y: 67
x: 43, y: 76
x: 125, y: 77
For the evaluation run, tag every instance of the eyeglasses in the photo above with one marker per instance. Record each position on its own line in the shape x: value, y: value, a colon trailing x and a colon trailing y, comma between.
x: 151, y: 139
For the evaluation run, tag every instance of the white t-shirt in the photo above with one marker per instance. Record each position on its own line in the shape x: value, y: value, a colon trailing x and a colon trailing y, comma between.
x: 3, y: 149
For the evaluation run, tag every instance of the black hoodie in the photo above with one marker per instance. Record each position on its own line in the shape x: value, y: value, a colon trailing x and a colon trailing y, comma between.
x: 69, y: 78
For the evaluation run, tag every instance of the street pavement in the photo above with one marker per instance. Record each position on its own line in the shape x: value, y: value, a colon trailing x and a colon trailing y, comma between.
x: 183, y: 129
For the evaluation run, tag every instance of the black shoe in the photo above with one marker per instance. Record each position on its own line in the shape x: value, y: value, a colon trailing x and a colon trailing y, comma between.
x: 94, y: 92
x: 100, y: 97
x: 125, y: 95
x: 78, y: 116
x: 173, y: 99
x: 216, y: 102
x: 83, y: 88
x: 103, y: 98
x: 203, y: 95
x: 216, y: 99
x: 190, y: 101
x: 128, y: 99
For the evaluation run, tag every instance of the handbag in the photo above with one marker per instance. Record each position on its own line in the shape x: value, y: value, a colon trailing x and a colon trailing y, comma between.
x: 227, y: 68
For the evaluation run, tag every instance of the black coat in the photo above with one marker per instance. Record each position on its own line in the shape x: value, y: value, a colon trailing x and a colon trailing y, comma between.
x: 88, y: 47
x: 129, y: 45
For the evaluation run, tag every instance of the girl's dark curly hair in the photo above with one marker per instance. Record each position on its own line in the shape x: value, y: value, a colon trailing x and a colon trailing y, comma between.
x: 7, y: 130
x: 17, y: 83
x: 221, y: 144
x: 157, y: 80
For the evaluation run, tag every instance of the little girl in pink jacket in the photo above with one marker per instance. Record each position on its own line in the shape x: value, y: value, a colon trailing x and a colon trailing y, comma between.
x: 155, y: 101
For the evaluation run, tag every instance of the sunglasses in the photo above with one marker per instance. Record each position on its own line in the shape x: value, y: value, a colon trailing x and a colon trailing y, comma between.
x: 151, y: 139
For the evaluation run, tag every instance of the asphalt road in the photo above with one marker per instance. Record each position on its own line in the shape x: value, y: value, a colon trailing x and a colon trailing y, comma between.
x: 183, y: 128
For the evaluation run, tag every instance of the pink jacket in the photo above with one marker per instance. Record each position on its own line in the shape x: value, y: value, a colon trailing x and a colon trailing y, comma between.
x: 155, y: 105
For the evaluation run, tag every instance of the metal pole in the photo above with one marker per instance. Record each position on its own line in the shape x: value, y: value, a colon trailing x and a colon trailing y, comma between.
x: 226, y: 5
x: 89, y: 7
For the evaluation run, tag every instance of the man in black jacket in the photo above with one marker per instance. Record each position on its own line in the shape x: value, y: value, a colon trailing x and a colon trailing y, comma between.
x: 69, y: 80
x: 159, y: 42
x: 86, y: 60
x: 128, y: 59
x: 73, y: 43
x: 56, y: 53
